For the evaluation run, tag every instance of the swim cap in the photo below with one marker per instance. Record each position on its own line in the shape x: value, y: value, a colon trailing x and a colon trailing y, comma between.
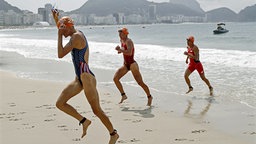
x: 191, y: 38
x: 65, y: 22
x: 124, y: 30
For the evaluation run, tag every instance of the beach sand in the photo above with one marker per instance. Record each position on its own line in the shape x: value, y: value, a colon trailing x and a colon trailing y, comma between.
x: 28, y: 115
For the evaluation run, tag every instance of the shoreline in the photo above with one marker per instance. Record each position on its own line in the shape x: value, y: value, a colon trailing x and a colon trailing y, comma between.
x: 28, y: 111
x: 14, y: 27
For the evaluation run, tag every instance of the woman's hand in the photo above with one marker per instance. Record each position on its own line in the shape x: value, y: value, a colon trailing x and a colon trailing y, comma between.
x: 60, y: 32
x: 55, y: 14
x: 118, y: 49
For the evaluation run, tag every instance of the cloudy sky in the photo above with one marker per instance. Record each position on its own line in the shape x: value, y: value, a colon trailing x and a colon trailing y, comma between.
x: 68, y: 5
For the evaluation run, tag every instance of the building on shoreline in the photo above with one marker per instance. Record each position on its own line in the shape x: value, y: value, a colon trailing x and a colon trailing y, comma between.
x: 12, y: 18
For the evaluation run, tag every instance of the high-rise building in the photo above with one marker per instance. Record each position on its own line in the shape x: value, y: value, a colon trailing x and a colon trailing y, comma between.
x: 45, y: 12
x: 152, y: 12
x: 48, y: 8
x: 42, y: 12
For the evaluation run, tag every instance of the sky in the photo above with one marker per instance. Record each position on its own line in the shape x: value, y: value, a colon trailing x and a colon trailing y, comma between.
x: 68, y: 5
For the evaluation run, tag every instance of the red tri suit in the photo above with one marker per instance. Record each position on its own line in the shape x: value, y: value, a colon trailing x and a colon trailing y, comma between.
x: 194, y: 64
x: 128, y: 59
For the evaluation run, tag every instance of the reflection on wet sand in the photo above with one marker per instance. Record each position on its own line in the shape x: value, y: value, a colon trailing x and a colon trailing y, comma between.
x: 202, y: 112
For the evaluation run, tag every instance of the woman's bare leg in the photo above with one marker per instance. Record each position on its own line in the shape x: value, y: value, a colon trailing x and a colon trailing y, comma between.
x: 89, y: 85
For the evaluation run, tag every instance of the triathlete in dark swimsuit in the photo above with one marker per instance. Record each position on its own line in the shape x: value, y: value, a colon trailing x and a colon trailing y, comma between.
x: 80, y: 55
x: 80, y: 64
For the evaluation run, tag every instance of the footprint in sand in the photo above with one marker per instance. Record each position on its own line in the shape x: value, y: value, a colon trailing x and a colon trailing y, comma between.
x: 134, y: 140
x: 63, y: 128
x: 251, y: 124
x: 85, y: 112
x: 183, y: 139
x: 206, y: 122
x: 11, y: 104
x: 76, y: 139
x: 47, y: 106
x: 127, y: 119
x: 105, y: 102
x: 128, y: 141
x: 121, y: 141
x: 52, y: 107
x: 12, y: 116
x: 15, y: 119
x: 49, y: 120
x: 136, y: 121
x: 198, y: 131
x: 107, y: 113
x: 148, y: 130
x: 21, y: 113
x: 251, y: 115
x: 250, y: 133
x: 52, y: 115
x: 108, y: 109
x: 26, y: 127
x: 2, y: 115
x: 31, y: 91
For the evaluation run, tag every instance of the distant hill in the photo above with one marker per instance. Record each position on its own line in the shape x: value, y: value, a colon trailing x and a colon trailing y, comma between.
x: 167, y: 9
x: 248, y: 14
x: 222, y: 14
x: 106, y: 7
x: 173, y: 7
x: 191, y: 4
x: 6, y: 6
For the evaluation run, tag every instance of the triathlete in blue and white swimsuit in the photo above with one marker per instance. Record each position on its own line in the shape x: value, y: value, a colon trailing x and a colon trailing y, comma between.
x: 79, y: 63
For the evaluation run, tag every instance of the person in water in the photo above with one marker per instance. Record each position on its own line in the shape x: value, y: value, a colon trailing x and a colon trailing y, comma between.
x: 84, y: 80
x: 127, y: 49
x: 192, y: 54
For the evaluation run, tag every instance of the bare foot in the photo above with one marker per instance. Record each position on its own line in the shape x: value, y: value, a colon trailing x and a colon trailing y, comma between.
x: 124, y: 97
x: 150, y: 98
x: 86, y: 124
x: 189, y: 90
x: 113, y: 139
x: 211, y: 91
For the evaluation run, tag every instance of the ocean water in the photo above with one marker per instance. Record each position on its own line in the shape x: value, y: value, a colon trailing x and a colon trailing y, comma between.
x: 229, y: 59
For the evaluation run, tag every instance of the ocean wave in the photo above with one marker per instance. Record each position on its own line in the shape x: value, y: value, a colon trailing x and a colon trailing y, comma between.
x: 46, y: 49
x: 207, y: 55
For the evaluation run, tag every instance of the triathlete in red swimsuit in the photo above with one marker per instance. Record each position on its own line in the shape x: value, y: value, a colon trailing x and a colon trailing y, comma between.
x: 128, y: 59
x: 129, y: 65
x: 194, y: 64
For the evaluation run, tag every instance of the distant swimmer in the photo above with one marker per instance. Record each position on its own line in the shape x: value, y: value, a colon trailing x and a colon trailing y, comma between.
x: 84, y: 80
x: 192, y: 54
x: 127, y: 48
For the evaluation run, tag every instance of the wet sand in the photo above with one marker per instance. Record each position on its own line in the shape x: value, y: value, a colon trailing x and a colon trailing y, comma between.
x: 29, y: 115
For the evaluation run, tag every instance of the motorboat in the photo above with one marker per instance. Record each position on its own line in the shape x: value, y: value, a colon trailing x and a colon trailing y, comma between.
x: 220, y: 29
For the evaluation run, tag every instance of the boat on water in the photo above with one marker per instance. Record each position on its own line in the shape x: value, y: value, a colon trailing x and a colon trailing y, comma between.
x: 220, y: 29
